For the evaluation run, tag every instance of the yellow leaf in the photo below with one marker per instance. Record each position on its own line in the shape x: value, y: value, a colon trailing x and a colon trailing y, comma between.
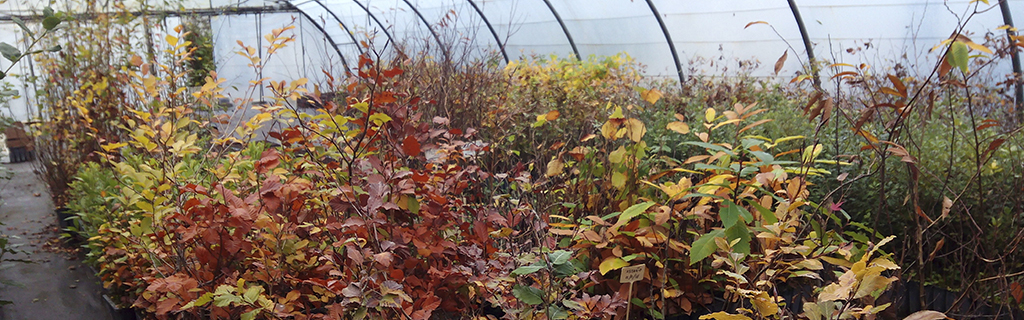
x: 764, y: 304
x: 172, y: 40
x: 554, y: 168
x: 612, y: 263
x: 113, y: 146
x: 871, y: 282
x: 722, y: 315
x: 677, y: 126
x: 608, y: 129
x: 652, y: 95
x: 709, y: 115
x: 978, y: 47
x: 635, y: 129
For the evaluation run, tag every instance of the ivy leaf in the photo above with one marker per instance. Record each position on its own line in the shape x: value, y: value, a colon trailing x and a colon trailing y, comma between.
x: 529, y: 295
x: 612, y: 263
x: 705, y: 246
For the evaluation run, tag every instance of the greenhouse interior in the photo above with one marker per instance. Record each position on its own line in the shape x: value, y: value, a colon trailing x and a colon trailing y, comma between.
x: 511, y: 159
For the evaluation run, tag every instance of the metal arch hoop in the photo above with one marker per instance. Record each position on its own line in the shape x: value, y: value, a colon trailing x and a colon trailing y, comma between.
x: 668, y: 38
x: 491, y: 28
x: 437, y: 38
x: 329, y: 39
x: 564, y: 29
x: 343, y: 26
x: 370, y: 14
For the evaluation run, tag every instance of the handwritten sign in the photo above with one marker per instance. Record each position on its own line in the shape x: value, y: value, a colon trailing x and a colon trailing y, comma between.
x: 632, y: 274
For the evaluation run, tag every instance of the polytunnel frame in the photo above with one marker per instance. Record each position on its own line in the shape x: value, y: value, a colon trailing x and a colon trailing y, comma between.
x: 330, y: 39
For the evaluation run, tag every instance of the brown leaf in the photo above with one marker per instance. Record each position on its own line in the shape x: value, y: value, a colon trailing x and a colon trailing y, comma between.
x: 946, y: 205
x: 898, y: 84
x: 411, y: 146
x: 384, y: 258
x: 781, y: 61
x: 938, y: 246
x: 1017, y: 291
x: 552, y: 115
x: 753, y: 23
x: 554, y: 168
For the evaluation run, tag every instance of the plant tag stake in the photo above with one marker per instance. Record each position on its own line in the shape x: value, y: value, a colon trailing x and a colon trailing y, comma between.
x: 629, y: 275
x: 632, y: 274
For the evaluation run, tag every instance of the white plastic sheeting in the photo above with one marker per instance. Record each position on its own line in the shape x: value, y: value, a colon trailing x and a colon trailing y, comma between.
x: 878, y: 32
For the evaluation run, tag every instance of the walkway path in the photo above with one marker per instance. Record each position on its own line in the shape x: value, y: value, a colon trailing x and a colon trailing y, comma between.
x: 53, y: 287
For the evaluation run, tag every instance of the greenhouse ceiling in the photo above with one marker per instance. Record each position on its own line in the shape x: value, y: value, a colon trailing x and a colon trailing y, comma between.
x: 672, y: 38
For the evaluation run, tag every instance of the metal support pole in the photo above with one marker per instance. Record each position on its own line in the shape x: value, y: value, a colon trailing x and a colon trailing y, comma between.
x: 437, y: 37
x: 497, y: 40
x: 564, y: 29
x: 343, y: 26
x: 1018, y: 76
x: 807, y: 43
x: 668, y: 38
x: 370, y: 14
x: 329, y: 39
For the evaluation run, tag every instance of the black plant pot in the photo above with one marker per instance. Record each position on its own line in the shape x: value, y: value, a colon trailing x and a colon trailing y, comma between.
x: 64, y: 221
x: 119, y: 313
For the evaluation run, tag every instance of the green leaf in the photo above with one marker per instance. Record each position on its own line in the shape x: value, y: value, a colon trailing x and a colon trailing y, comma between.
x: 54, y: 48
x: 23, y: 27
x: 251, y: 315
x: 618, y: 180
x: 559, y: 257
x: 48, y: 11
x: 10, y: 52
x: 731, y: 212
x: 527, y: 269
x: 741, y: 232
x: 529, y: 295
x: 612, y: 263
x: 557, y: 313
x: 252, y: 293
x: 705, y: 246
x: 50, y: 22
x: 633, y: 211
x: 957, y: 56
x: 766, y: 214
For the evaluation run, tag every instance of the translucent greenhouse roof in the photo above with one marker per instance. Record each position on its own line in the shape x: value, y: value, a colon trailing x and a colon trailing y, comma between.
x: 672, y: 38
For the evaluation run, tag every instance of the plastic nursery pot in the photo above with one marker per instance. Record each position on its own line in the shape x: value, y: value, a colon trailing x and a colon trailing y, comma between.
x: 64, y: 217
x: 119, y: 313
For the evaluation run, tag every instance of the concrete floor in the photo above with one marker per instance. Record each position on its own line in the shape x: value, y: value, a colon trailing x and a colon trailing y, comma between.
x: 56, y: 285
